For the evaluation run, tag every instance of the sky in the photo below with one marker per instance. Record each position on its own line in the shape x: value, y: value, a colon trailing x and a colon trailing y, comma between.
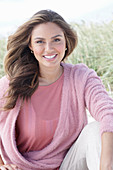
x: 15, y: 12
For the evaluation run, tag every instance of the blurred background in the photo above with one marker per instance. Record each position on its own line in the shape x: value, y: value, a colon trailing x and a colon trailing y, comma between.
x: 92, y: 19
x: 15, y: 12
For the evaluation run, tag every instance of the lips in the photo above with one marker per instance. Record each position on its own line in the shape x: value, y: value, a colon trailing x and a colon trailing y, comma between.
x: 50, y: 56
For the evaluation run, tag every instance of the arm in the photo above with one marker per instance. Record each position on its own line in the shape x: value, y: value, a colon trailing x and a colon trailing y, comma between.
x: 106, y: 162
x: 100, y: 106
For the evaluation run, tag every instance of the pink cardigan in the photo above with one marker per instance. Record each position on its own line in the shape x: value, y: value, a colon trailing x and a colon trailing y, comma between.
x: 82, y: 89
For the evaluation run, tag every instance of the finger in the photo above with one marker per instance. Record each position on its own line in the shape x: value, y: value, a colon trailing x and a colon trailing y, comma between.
x: 9, y: 167
x: 2, y: 168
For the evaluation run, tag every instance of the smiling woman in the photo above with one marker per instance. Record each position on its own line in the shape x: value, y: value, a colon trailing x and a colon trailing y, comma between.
x: 43, y: 102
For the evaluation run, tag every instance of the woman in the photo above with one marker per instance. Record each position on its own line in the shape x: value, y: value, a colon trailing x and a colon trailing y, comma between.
x: 43, y: 102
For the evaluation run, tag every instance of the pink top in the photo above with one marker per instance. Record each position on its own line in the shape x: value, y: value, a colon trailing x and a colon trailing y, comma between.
x: 36, y: 127
x: 82, y: 89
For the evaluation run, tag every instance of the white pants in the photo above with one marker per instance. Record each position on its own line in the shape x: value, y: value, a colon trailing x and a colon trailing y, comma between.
x: 85, y: 152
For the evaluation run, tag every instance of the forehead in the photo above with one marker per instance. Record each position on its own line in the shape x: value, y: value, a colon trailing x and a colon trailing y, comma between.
x: 48, y: 28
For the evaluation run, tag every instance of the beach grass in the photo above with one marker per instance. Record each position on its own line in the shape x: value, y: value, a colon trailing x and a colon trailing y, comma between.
x: 95, y: 49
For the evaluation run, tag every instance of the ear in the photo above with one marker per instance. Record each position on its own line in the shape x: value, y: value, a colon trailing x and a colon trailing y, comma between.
x: 30, y: 47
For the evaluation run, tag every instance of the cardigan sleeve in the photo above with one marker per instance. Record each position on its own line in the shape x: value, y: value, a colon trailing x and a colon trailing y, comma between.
x: 98, y: 102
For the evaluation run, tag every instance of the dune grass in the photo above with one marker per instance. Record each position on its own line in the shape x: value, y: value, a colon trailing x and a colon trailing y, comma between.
x: 95, y: 49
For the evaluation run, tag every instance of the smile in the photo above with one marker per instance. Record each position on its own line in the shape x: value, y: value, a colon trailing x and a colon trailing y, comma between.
x: 50, y: 57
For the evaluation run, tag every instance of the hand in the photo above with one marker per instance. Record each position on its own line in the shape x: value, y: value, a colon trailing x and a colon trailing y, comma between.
x: 9, y: 167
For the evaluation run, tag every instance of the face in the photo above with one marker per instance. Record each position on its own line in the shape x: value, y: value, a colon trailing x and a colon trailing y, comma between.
x: 48, y: 45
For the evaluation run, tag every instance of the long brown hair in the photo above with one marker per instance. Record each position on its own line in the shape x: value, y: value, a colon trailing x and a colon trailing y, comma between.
x: 20, y: 64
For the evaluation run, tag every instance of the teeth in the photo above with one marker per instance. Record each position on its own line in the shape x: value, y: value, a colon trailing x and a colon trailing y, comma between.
x: 49, y: 57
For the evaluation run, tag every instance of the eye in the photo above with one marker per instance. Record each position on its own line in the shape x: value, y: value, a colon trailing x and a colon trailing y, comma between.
x: 57, y: 39
x: 39, y: 42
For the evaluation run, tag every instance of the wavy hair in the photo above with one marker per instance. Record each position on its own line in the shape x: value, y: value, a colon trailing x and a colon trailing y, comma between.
x: 20, y: 65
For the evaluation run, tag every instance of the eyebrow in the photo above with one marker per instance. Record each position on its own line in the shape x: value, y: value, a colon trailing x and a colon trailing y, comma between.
x: 59, y: 35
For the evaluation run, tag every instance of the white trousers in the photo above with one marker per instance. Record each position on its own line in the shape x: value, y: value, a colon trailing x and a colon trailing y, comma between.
x: 85, y: 152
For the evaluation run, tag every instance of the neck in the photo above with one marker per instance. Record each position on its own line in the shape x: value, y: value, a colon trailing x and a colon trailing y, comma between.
x: 49, y: 76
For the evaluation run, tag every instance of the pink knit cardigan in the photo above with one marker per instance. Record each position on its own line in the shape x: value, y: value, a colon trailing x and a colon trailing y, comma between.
x: 82, y: 89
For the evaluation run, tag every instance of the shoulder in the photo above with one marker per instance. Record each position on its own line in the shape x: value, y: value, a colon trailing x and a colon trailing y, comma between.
x: 79, y: 73
x: 77, y: 69
x: 74, y: 66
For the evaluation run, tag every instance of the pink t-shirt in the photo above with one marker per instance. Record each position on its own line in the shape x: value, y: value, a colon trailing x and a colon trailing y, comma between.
x: 37, y: 121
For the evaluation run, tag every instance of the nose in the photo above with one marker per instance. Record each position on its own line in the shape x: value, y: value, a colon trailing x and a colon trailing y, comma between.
x: 48, y: 47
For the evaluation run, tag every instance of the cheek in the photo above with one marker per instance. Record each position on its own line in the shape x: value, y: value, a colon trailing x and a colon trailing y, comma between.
x: 38, y: 51
x: 61, y: 48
